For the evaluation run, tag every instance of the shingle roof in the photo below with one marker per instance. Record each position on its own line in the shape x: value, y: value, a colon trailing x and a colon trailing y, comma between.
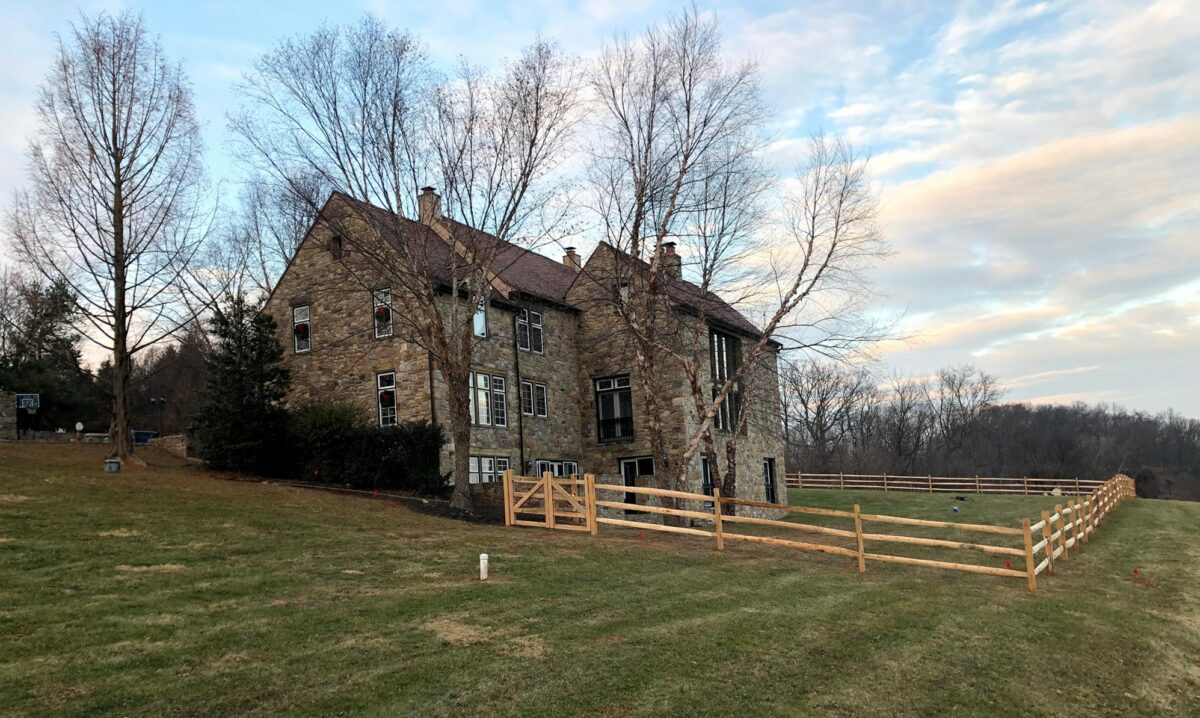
x: 526, y: 271
x: 692, y: 298
x: 534, y: 274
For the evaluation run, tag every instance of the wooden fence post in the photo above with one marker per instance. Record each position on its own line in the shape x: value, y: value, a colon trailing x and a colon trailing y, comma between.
x: 858, y: 540
x: 1025, y: 482
x: 1078, y: 515
x: 1049, y: 544
x: 717, y: 518
x: 1077, y: 492
x: 841, y: 480
x: 589, y: 486
x: 508, y: 502
x: 1030, y: 566
x: 978, y: 486
x: 1061, y: 531
x: 548, y: 483
x: 885, y: 482
x: 930, y: 478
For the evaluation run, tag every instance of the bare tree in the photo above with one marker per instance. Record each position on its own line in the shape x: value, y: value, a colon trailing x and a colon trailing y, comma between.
x: 273, y: 219
x: 115, y: 209
x: 360, y: 110
x: 676, y: 171
x: 957, y: 403
x: 822, y: 400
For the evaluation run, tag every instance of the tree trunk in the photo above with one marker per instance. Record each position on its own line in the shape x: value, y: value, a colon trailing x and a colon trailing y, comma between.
x: 729, y: 481
x: 460, y: 440
x: 121, y: 440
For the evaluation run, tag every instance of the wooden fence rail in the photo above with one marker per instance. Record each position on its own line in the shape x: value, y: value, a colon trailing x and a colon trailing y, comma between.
x: 572, y: 503
x: 1028, y: 486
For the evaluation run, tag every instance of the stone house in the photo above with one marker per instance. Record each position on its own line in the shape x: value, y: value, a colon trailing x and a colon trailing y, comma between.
x: 553, y: 386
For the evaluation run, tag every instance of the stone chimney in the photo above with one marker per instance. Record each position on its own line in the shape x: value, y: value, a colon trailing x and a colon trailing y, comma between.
x: 671, y: 263
x: 430, y: 205
x: 572, y: 260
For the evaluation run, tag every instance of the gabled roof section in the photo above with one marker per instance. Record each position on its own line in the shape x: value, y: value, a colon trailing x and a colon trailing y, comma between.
x: 528, y: 272
x: 691, y: 298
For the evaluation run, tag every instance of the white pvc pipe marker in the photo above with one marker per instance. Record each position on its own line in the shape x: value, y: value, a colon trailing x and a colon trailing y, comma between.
x: 483, y: 561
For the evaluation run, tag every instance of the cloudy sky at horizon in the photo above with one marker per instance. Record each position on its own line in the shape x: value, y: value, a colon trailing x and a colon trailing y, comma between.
x: 1038, y: 161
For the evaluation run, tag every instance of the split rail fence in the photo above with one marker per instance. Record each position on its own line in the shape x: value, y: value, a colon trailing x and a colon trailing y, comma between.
x: 572, y: 503
x: 1027, y: 486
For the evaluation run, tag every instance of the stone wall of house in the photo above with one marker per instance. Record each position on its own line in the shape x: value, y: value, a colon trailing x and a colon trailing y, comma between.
x: 8, y: 416
x: 605, y: 350
x: 580, y: 345
x: 345, y: 354
x: 554, y: 437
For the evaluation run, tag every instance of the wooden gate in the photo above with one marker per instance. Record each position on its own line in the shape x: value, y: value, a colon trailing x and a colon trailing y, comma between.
x: 558, y: 502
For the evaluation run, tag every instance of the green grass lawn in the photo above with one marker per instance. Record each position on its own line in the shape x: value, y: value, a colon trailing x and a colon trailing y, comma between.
x: 167, y: 590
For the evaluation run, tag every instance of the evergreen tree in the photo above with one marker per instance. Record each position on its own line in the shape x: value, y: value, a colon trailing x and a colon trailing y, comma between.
x: 242, y: 422
x: 39, y: 353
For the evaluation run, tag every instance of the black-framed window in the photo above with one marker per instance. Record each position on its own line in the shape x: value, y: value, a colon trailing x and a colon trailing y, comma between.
x: 724, y: 360
x: 486, y: 469
x: 302, y: 328
x: 769, y: 479
x: 381, y: 312
x: 488, y: 400
x: 335, y: 246
x: 479, y: 320
x: 535, y: 399
x: 556, y: 468
x: 706, y: 482
x: 529, y: 331
x: 614, y: 409
x: 385, y: 397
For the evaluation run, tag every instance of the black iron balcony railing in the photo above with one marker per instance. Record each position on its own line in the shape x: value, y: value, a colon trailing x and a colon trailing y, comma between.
x: 614, y: 430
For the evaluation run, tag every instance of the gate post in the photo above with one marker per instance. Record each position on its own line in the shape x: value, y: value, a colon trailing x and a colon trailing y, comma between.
x: 548, y: 492
x: 508, y: 498
x: 589, y: 486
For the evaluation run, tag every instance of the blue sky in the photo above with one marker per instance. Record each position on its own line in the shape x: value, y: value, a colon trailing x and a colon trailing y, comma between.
x: 1037, y: 161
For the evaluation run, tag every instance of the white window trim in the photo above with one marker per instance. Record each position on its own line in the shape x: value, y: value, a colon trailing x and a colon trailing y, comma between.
x: 533, y: 387
x: 492, y: 392
x: 380, y: 387
x: 307, y: 321
x: 489, y: 467
x: 556, y: 467
x: 382, y: 298
x: 482, y: 308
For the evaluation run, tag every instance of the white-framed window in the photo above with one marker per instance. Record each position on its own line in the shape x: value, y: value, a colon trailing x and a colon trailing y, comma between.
x: 557, y: 468
x: 529, y: 331
x: 486, y: 469
x: 381, y: 312
x: 479, y: 321
x: 488, y: 400
x: 302, y: 328
x: 535, y: 399
x: 385, y: 397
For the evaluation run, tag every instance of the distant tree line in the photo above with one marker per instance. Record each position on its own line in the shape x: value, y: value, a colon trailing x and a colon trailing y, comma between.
x: 847, y: 419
